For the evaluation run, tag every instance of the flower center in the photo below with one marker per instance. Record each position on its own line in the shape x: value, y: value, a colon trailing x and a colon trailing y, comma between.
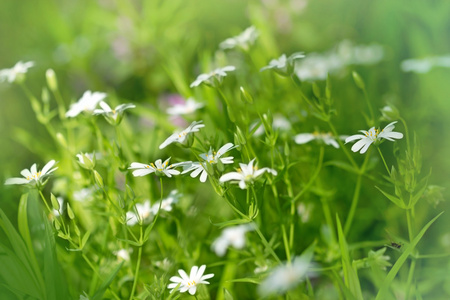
x: 34, y: 176
x: 191, y: 283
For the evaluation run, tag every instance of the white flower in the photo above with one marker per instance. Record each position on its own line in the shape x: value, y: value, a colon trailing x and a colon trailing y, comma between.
x: 180, y: 137
x: 85, y: 194
x: 243, y: 40
x: 32, y: 176
x: 327, y: 138
x: 189, y: 283
x: 187, y: 107
x: 159, y: 168
x: 123, y: 254
x: 417, y: 65
x: 166, y: 203
x: 88, y: 102
x: 217, y: 74
x: 284, y: 65
x: 234, y: 236
x: 86, y: 160
x: 144, y: 214
x: 113, y: 116
x: 373, y: 135
x: 317, y: 66
x: 285, y: 277
x: 304, y: 211
x: 15, y: 73
x: 211, y: 157
x: 246, y: 174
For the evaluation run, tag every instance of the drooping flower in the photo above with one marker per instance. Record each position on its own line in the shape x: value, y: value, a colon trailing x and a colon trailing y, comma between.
x: 87, y: 103
x: 373, y: 136
x: 166, y: 203
x: 213, y: 78
x: 212, y: 158
x: 142, y: 214
x: 286, y: 277
x: 185, y: 108
x: 284, y: 65
x: 234, y: 236
x: 327, y: 138
x: 246, y: 174
x: 32, y: 176
x: 180, y: 137
x: 159, y: 168
x: 189, y: 283
x: 16, y: 73
x: 113, y: 116
x: 86, y: 160
x: 243, y: 40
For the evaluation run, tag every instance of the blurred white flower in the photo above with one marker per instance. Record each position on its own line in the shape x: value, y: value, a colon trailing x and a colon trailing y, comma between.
x: 234, y: 236
x: 212, y: 158
x: 113, y: 116
x: 188, y: 107
x: 246, y: 174
x: 166, y: 203
x: 189, y: 283
x: 32, y: 176
x: 243, y: 40
x: 304, y: 211
x: 285, y: 277
x: 123, y: 254
x: 16, y: 73
x: 82, y: 195
x: 56, y: 212
x: 180, y: 137
x: 284, y: 65
x: 208, y: 78
x: 87, y: 103
x: 280, y: 123
x: 373, y: 136
x: 327, y: 138
x: 142, y: 213
x: 159, y: 168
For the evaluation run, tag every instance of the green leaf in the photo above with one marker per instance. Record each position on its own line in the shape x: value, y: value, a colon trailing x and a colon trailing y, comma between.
x: 401, y: 260
x: 393, y: 199
x: 248, y: 280
x: 231, y: 223
x: 85, y: 239
x: 105, y: 284
x: 350, y: 275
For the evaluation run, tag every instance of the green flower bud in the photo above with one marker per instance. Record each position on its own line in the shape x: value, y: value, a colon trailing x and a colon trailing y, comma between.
x: 358, y: 80
x: 52, y: 82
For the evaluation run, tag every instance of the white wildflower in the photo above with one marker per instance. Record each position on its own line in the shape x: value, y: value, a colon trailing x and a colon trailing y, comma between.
x: 189, y: 283
x: 180, y: 137
x: 373, y: 136
x: 243, y: 40
x: 123, y: 254
x: 166, y: 203
x: 246, y: 174
x: 185, y: 108
x: 32, y: 176
x: 327, y: 138
x: 234, y: 236
x: 209, y: 78
x: 159, y: 168
x: 16, y: 73
x: 142, y: 214
x: 87, y: 103
x: 284, y: 65
x: 113, y: 116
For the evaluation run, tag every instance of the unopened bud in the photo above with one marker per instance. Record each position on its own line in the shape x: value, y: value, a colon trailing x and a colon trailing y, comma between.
x: 358, y: 80
x: 52, y: 82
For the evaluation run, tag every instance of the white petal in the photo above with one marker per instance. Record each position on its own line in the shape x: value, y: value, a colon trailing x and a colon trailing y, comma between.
x: 204, y: 176
x: 136, y: 165
x: 183, y: 275
x: 142, y: 172
x: 200, y: 272
x: 16, y: 180
x: 193, y: 273
x: 197, y: 171
x: 359, y: 144
x: 176, y: 279
x: 26, y: 173
x: 106, y: 108
x: 354, y: 137
x: 364, y: 149
x: 33, y: 169
x: 231, y: 176
x: 242, y: 185
x: 303, y: 138
x: 169, y: 141
x: 47, y: 167
x: 192, y: 290
x: 225, y: 148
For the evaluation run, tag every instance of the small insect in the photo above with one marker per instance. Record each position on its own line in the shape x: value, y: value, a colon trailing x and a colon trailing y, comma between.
x: 396, y: 245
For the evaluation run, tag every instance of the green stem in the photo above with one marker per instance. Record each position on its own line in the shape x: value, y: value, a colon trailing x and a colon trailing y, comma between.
x: 45, y: 202
x: 366, y: 97
x: 97, y: 274
x: 267, y: 245
x: 351, y: 214
x: 60, y: 102
x: 384, y: 161
x: 410, y: 278
x: 136, y: 273
x: 410, y: 225
x: 408, y: 144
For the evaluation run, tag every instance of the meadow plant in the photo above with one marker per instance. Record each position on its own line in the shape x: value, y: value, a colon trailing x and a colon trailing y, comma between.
x: 282, y: 209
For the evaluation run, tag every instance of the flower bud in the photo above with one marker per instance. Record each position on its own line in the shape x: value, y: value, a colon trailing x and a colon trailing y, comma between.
x: 98, y: 179
x: 390, y: 112
x: 52, y: 82
x: 358, y: 80
x: 245, y: 96
x: 70, y: 212
x: 86, y: 161
x: 55, y: 202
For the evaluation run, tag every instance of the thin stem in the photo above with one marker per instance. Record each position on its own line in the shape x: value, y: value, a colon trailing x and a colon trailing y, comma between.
x: 266, y: 244
x: 45, y: 202
x: 408, y: 144
x: 355, y: 199
x: 410, y: 225
x: 136, y: 273
x: 384, y: 161
x: 366, y: 97
x: 410, y: 278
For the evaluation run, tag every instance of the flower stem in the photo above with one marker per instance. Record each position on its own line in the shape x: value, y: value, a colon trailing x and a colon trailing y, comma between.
x: 342, y: 146
x: 45, y: 202
x: 351, y: 214
x: 136, y: 273
x: 384, y: 161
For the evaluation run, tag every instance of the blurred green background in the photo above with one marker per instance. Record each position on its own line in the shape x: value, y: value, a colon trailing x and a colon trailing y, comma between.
x: 128, y: 46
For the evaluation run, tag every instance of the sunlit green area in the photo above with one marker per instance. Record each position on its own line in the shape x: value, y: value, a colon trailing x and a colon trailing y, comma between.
x: 341, y: 211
